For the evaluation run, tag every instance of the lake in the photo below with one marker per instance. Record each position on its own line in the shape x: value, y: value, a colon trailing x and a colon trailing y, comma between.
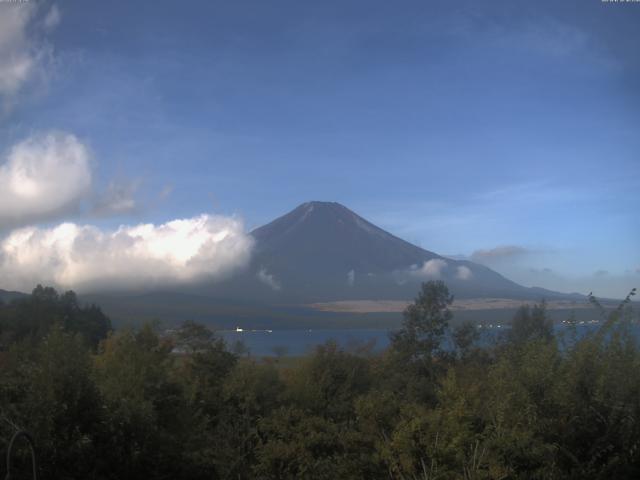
x: 299, y: 342
x: 296, y: 342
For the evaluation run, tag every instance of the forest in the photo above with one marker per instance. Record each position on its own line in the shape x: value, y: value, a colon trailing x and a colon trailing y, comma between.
x: 149, y: 404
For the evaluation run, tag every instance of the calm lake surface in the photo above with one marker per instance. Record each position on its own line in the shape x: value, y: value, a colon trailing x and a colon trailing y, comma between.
x: 299, y: 342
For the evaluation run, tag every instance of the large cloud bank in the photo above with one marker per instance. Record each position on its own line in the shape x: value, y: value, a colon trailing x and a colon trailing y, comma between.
x: 48, y: 177
x: 43, y: 176
x: 145, y: 256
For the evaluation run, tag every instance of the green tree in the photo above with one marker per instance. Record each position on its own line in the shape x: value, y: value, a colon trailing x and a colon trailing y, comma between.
x: 531, y: 324
x: 327, y: 382
x: 48, y: 390
x: 192, y: 337
x: 250, y: 392
x: 415, y: 359
x: 297, y: 444
x: 147, y: 417
x: 425, y: 322
x: 33, y: 317
x: 464, y: 338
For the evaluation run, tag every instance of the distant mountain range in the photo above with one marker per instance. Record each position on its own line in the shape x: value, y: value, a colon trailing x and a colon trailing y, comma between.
x: 322, y: 251
x: 7, y: 296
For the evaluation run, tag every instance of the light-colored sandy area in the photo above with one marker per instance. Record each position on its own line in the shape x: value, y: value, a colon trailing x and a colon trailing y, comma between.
x: 373, y: 306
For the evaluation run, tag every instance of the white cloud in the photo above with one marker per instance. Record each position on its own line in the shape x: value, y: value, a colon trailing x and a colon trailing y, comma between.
x: 23, y: 55
x: 430, y: 269
x: 144, y: 256
x: 268, y: 279
x: 463, y: 273
x: 42, y: 177
x: 351, y: 278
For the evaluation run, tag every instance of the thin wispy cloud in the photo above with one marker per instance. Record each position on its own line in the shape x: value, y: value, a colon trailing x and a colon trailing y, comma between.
x: 543, y: 35
x: 546, y: 36
x: 500, y: 253
x: 119, y: 198
x: 351, y: 278
x: 25, y: 55
x: 535, y: 193
x: 269, y: 279
x: 52, y: 18
x: 166, y: 192
x: 602, y: 283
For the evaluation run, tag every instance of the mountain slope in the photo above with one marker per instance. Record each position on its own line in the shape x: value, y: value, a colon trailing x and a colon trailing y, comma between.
x: 323, y: 250
x: 328, y: 237
x: 8, y: 296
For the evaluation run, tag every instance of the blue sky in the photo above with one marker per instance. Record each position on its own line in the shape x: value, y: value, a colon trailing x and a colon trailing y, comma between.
x: 464, y: 127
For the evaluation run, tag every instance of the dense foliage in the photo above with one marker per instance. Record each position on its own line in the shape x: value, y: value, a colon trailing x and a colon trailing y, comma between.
x: 146, y: 405
x: 32, y: 318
